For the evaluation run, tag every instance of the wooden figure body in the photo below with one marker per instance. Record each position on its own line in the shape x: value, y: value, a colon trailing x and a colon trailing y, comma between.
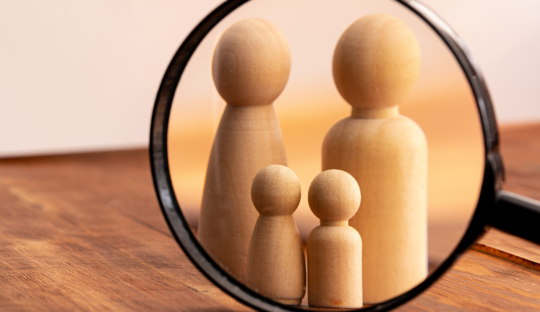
x: 250, y: 68
x: 276, y: 266
x: 334, y: 249
x: 376, y: 63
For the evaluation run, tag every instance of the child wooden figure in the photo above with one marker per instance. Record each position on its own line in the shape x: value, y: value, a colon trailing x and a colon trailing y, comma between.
x: 276, y: 267
x: 334, y: 249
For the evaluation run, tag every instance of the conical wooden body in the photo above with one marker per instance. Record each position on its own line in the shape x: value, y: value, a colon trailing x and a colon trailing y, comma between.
x: 276, y: 266
x: 248, y: 139
x: 388, y: 158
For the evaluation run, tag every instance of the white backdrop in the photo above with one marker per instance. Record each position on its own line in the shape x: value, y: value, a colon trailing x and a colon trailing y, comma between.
x: 82, y: 75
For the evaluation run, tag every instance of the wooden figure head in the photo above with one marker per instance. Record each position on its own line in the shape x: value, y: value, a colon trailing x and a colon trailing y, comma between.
x: 334, y: 195
x: 276, y: 191
x: 376, y: 62
x: 251, y: 63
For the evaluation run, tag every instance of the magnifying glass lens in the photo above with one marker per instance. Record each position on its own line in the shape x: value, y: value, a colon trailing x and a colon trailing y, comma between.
x: 228, y: 122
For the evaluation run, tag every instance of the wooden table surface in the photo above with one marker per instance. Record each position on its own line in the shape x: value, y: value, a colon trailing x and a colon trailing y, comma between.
x: 85, y: 232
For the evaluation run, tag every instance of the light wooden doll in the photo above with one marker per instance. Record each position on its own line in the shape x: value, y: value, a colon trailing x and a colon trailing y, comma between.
x: 334, y: 249
x: 376, y: 64
x: 276, y: 266
x: 250, y: 68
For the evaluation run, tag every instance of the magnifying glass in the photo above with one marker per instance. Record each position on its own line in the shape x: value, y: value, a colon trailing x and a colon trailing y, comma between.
x: 449, y: 101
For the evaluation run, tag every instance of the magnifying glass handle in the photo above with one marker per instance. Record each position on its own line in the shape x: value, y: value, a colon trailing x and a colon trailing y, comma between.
x: 517, y: 215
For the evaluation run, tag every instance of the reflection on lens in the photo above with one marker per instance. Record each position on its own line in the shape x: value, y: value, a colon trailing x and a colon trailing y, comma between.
x: 275, y: 87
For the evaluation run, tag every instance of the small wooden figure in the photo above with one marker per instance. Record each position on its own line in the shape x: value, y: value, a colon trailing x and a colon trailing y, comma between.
x: 334, y: 249
x: 376, y: 63
x: 250, y: 68
x: 276, y: 266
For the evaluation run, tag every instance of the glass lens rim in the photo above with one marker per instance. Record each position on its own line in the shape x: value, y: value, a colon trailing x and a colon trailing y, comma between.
x: 493, y: 172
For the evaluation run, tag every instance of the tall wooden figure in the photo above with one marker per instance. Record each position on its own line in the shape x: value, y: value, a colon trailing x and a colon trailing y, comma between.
x: 376, y: 63
x: 334, y: 249
x: 276, y: 267
x: 250, y: 67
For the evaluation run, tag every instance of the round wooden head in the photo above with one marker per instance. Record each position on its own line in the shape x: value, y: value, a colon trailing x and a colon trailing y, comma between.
x: 334, y: 195
x: 276, y: 191
x: 376, y: 62
x: 251, y: 63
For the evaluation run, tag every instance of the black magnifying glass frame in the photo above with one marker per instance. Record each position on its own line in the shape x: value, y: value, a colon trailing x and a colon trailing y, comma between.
x: 506, y: 211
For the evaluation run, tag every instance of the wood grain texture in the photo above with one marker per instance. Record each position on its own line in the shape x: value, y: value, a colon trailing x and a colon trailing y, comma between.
x: 376, y: 64
x: 251, y: 67
x: 510, y: 247
x: 276, y: 264
x: 334, y: 249
x: 247, y: 140
x: 481, y: 282
x: 520, y: 148
x: 85, y: 232
x: 251, y: 63
x: 503, y: 277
